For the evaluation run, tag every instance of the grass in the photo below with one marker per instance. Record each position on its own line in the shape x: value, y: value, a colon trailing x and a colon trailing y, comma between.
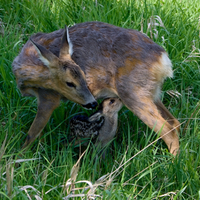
x: 131, y: 170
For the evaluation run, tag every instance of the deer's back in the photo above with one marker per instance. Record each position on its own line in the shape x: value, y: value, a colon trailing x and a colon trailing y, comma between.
x: 97, y: 43
x: 104, y: 52
x: 110, y: 56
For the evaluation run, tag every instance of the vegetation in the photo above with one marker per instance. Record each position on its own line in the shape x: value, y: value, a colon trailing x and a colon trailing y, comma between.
x: 137, y: 164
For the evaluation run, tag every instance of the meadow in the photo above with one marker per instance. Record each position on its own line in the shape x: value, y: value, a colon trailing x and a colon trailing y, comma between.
x: 138, y: 164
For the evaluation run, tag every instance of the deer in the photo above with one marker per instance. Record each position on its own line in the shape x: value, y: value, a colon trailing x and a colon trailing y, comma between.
x: 96, y: 60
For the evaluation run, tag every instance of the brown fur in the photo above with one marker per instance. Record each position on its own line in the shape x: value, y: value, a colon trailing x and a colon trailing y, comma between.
x: 116, y: 62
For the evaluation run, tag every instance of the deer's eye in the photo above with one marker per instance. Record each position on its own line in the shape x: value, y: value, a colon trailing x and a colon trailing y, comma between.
x: 65, y: 67
x: 70, y: 84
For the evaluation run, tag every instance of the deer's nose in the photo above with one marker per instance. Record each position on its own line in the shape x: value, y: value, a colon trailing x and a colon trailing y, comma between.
x: 91, y: 105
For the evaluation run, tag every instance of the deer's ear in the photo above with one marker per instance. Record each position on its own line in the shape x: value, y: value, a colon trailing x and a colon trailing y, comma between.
x: 46, y: 56
x: 66, y: 46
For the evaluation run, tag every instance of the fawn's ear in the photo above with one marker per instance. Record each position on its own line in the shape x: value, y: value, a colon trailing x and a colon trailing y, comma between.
x: 95, y: 117
x: 46, y: 56
x: 66, y: 46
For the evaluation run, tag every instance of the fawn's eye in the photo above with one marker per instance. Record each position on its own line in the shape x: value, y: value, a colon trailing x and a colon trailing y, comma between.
x: 70, y: 84
x: 112, y: 101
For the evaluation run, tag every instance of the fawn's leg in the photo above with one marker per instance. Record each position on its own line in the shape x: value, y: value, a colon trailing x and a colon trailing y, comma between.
x: 147, y: 111
x: 48, y: 101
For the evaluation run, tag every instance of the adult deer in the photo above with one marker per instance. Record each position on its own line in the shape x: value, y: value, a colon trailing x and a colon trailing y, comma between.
x: 113, y: 61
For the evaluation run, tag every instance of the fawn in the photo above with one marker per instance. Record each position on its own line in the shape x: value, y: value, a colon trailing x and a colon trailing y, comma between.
x: 101, y: 125
x: 110, y: 61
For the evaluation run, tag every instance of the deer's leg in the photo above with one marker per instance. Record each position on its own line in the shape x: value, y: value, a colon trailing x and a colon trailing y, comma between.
x: 167, y: 115
x: 48, y: 101
x: 147, y: 111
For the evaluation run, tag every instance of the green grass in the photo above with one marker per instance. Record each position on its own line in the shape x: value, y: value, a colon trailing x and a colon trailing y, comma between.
x: 130, y: 170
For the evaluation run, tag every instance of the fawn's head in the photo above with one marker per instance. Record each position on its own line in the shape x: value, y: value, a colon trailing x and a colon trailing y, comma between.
x: 67, y: 77
x: 108, y: 107
x: 111, y: 106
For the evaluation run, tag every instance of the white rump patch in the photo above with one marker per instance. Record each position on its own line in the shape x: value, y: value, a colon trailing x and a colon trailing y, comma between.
x: 162, y: 70
x: 70, y: 43
x: 167, y: 66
